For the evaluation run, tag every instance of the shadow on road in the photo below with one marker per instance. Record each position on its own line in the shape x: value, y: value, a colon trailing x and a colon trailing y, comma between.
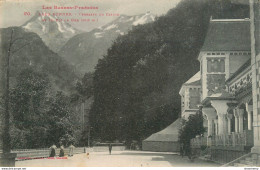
x: 141, y: 153
x: 173, y: 158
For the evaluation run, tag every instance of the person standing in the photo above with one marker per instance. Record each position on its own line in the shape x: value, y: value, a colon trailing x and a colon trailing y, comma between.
x: 52, y: 150
x: 182, y: 150
x: 61, y: 151
x: 71, y: 150
x: 110, y: 148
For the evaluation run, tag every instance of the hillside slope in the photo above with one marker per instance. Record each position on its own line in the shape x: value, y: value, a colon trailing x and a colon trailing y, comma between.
x: 28, y: 50
x: 85, y: 49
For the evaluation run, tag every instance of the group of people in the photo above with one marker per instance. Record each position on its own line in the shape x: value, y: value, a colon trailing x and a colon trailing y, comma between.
x: 61, y: 154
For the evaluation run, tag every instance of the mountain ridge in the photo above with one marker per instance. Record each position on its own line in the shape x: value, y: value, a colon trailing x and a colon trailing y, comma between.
x: 85, y: 49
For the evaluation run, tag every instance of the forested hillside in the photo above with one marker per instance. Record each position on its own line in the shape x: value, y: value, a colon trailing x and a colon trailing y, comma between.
x: 41, y: 83
x: 136, y: 85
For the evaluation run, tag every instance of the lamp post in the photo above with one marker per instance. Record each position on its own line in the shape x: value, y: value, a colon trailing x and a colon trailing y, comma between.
x: 6, y: 136
x: 89, y: 129
x: 88, y: 137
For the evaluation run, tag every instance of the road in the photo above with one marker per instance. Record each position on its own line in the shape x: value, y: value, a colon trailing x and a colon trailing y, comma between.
x: 118, y: 159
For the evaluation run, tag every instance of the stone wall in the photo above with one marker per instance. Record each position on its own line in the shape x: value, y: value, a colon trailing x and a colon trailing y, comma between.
x: 222, y: 155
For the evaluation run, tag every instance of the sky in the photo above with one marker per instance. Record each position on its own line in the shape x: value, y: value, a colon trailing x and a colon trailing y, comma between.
x: 12, y: 11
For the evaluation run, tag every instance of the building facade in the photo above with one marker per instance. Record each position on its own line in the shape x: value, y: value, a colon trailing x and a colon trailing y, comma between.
x: 190, y: 96
x: 230, y: 88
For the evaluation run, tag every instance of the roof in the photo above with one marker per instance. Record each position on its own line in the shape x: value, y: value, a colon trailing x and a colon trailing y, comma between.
x: 228, y: 35
x: 194, y: 80
x: 221, y: 95
x: 240, y: 70
x: 170, y: 133
x: 242, y: 2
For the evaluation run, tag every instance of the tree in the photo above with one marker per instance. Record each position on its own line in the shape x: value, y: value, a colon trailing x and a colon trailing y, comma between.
x: 60, y: 128
x: 41, y: 116
x: 29, y: 97
x: 85, y: 86
x: 28, y: 101
x: 190, y: 129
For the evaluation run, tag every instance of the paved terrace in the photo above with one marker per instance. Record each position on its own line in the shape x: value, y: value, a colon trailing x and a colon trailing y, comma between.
x: 118, y: 159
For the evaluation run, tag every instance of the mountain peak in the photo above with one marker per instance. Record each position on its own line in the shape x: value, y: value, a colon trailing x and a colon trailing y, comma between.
x: 144, y: 18
x: 129, y: 20
x: 53, y: 32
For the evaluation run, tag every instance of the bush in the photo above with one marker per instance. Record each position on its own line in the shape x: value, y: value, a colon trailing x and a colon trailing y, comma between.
x: 190, y: 129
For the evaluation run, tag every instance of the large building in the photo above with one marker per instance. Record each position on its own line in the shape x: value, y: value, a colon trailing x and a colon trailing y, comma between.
x: 229, y: 95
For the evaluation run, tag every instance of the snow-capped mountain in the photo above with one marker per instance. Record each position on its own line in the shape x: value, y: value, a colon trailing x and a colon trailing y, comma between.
x: 85, y: 49
x: 54, y: 34
x: 123, y: 23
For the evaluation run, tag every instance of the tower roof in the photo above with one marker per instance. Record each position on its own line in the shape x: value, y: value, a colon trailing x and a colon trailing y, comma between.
x: 228, y: 35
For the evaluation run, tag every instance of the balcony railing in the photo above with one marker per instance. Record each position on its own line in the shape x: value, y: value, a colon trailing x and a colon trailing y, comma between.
x: 198, y: 142
x: 24, y: 154
x: 235, y: 139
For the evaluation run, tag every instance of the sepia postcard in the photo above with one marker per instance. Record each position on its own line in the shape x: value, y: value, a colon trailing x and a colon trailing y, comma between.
x: 129, y: 83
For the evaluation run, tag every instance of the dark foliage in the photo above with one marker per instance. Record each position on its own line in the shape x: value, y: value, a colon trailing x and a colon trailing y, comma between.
x: 40, y: 116
x: 190, y: 129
